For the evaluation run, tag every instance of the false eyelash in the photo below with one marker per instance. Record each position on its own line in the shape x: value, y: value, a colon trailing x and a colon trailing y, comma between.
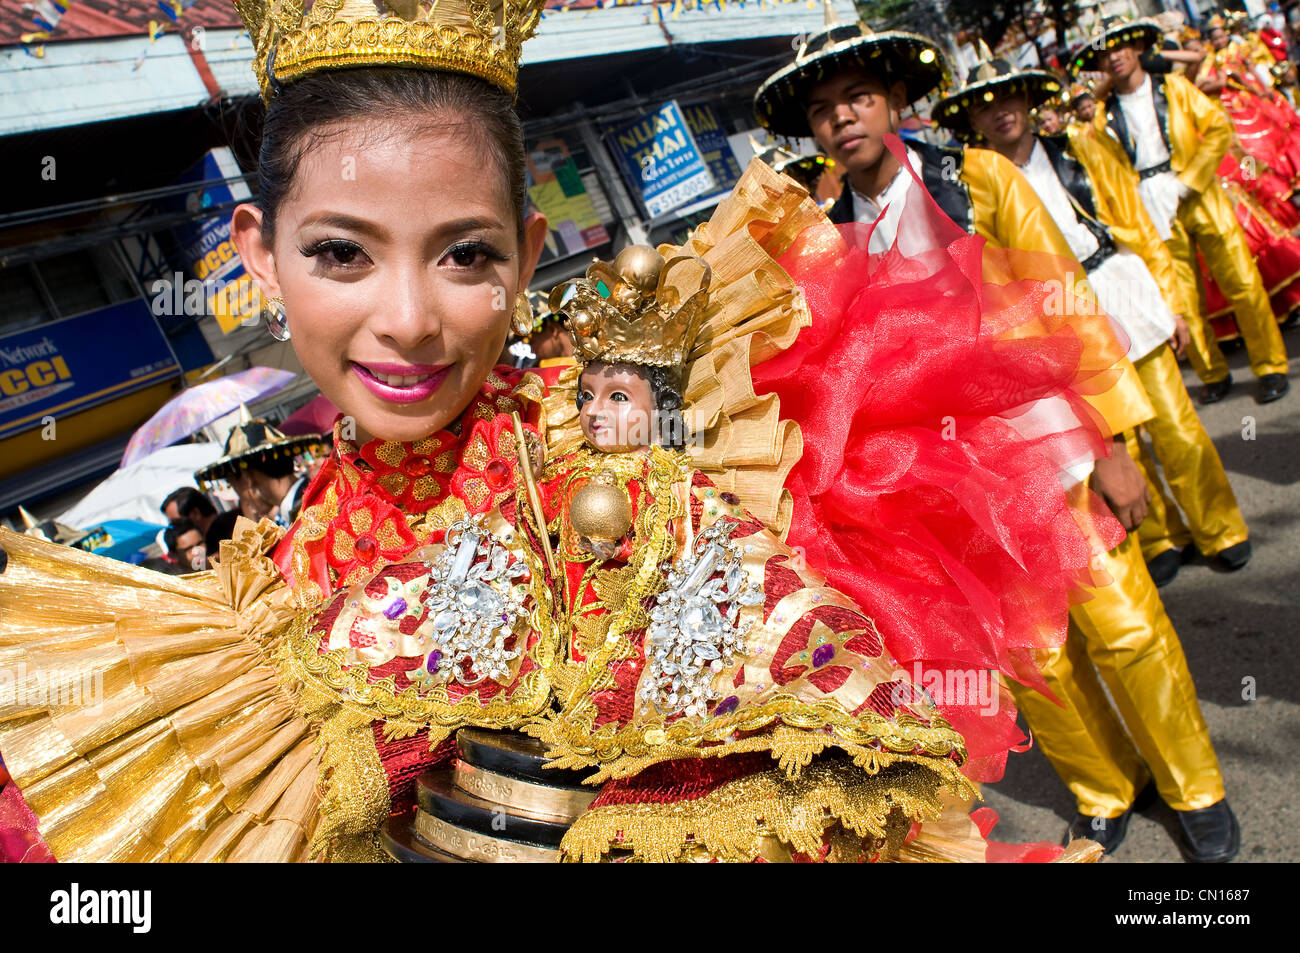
x: 329, y: 244
x: 479, y: 246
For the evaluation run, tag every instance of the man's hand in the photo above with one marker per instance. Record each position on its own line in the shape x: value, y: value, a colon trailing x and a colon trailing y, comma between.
x: 1181, y: 336
x: 1118, y: 481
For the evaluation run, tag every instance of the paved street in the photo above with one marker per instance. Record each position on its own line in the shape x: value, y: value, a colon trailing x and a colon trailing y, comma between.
x: 1235, y: 628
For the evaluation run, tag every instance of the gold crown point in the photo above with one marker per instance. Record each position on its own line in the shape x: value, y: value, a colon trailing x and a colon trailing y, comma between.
x: 638, y: 309
x: 480, y: 38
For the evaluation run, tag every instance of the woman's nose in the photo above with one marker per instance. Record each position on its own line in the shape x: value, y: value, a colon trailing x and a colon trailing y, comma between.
x: 408, y: 317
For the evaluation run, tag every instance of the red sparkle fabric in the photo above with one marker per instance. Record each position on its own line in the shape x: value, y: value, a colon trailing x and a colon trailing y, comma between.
x: 918, y: 494
x: 20, y: 840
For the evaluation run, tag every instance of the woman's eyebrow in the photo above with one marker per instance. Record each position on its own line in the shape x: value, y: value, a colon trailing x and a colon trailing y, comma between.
x: 340, y: 220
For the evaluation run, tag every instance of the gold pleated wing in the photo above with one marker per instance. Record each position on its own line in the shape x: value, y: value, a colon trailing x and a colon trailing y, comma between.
x: 142, y: 715
x: 754, y: 312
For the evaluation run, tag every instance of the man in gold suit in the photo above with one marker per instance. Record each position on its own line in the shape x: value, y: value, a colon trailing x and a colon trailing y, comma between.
x: 846, y: 88
x: 1173, y: 137
x: 1093, y: 201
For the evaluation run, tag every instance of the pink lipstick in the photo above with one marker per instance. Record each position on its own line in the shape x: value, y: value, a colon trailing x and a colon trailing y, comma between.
x: 401, y: 383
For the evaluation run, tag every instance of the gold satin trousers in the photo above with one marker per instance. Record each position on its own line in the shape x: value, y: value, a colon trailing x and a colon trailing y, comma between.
x: 1206, y: 223
x: 1191, y: 466
x: 1124, y: 632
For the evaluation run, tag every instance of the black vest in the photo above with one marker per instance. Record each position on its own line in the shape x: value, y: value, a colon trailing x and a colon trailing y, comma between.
x: 1118, y: 125
x: 1079, y: 187
x: 940, y: 174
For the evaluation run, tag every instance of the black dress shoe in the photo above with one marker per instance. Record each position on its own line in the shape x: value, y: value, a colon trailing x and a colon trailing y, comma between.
x: 1211, y: 834
x: 1108, y: 831
x: 1164, y: 567
x: 1235, y: 557
x: 1215, y: 391
x: 1271, y: 387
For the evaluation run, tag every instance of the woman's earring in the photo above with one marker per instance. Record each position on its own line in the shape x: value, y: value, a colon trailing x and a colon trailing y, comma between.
x: 276, y: 320
x: 521, y: 322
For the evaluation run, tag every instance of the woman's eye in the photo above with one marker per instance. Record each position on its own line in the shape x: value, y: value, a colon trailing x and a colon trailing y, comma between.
x: 338, y: 253
x: 472, y: 254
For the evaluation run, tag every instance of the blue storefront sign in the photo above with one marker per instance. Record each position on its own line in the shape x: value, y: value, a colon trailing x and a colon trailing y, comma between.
x: 713, y: 146
x: 662, y: 160
x: 208, y: 255
x: 77, y: 363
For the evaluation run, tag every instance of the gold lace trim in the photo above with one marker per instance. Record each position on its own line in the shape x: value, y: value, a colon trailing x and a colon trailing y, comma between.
x: 407, y: 712
x: 806, y: 730
x: 730, y: 823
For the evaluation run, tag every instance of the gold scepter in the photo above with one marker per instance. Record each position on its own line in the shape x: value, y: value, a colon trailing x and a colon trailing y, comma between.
x: 534, y: 498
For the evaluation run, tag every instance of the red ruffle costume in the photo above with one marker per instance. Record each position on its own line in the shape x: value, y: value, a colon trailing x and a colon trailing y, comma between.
x: 1276, y: 251
x: 917, y: 493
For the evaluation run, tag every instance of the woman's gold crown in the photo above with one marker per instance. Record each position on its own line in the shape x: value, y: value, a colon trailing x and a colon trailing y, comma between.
x: 480, y: 37
x: 637, y: 309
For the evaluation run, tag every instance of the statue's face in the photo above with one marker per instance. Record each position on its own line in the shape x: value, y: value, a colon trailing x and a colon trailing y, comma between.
x: 617, y: 408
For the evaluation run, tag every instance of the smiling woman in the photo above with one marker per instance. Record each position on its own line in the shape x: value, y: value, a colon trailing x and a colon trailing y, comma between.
x: 397, y: 259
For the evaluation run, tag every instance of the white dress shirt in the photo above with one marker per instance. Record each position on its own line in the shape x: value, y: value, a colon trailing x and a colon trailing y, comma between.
x: 886, y: 212
x: 283, y: 511
x: 1122, y: 283
x: 1160, y: 193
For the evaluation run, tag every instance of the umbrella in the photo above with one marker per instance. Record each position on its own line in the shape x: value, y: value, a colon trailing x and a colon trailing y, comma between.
x: 315, y: 416
x: 195, y: 408
x: 136, y: 492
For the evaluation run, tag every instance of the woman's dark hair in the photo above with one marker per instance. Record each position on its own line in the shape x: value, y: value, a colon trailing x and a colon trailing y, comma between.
x: 173, y: 533
x: 665, y: 387
x: 304, y: 112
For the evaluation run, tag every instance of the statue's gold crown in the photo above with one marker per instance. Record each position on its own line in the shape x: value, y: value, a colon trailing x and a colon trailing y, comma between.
x: 480, y: 37
x: 637, y: 309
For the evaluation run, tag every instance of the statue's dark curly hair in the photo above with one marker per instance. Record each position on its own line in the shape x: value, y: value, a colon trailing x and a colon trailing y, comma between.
x: 665, y: 385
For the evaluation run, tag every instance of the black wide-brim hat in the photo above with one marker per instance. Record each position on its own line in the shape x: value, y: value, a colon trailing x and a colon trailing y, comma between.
x: 1084, y: 56
x: 805, y: 170
x: 255, y: 442
x: 782, y: 100
x: 986, y: 82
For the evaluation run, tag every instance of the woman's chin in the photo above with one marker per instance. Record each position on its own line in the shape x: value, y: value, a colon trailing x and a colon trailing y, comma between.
x: 405, y: 428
